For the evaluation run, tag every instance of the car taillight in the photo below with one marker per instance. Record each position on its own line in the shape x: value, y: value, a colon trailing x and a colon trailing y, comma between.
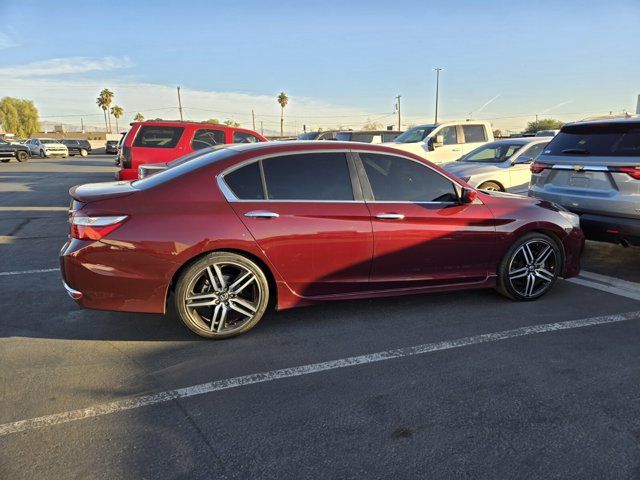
x: 94, y: 228
x: 537, y: 167
x: 633, y: 172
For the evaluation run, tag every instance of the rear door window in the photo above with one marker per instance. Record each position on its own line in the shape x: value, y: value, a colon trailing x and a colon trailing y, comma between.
x: 614, y: 140
x: 474, y: 133
x: 311, y: 176
x: 207, y: 137
x: 158, y: 137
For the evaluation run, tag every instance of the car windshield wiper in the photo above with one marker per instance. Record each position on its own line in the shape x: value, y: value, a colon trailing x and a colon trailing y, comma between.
x: 580, y: 151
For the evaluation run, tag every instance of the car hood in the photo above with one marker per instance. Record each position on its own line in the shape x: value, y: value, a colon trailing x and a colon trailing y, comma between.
x: 469, y: 169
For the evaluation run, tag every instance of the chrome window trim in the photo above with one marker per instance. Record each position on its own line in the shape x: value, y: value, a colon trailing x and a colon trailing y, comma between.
x: 585, y: 168
x: 231, y: 197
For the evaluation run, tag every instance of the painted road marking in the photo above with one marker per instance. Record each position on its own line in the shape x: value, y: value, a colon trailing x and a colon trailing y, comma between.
x: 608, y: 284
x: 23, y: 272
x: 34, y: 209
x: 225, y: 384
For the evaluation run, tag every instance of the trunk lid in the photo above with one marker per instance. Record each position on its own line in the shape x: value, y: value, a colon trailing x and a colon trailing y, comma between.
x: 91, y: 192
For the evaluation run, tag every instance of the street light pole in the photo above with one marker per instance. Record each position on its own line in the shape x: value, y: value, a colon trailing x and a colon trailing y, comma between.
x: 398, y: 105
x: 437, y: 70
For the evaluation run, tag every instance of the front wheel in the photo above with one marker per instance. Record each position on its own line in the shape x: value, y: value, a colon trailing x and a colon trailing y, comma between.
x: 83, y: 152
x: 221, y: 295
x: 22, y: 156
x: 490, y: 186
x: 530, y: 267
x: 42, y: 154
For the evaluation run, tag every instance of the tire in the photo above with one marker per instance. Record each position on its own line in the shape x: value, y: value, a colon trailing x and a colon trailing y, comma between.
x: 83, y: 152
x: 42, y: 154
x: 530, y: 267
x: 22, y: 156
x: 222, y: 312
x: 491, y: 186
x: 5, y: 160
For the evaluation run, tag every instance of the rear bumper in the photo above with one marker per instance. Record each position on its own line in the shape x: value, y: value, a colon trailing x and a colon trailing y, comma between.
x: 92, y: 278
x: 606, y: 228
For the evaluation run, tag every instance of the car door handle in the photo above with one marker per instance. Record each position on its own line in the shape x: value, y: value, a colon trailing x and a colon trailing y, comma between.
x: 455, y: 149
x: 261, y: 214
x: 390, y: 216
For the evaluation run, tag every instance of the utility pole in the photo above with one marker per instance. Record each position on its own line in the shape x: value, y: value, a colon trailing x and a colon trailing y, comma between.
x: 253, y: 118
x: 398, y: 99
x: 180, y: 105
x: 261, y: 128
x: 437, y: 70
x: 81, y: 124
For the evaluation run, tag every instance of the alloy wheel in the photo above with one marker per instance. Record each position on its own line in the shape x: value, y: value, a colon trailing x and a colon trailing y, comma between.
x: 223, y: 297
x: 532, y: 268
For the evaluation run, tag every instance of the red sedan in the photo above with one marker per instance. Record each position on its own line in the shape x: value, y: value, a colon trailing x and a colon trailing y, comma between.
x: 228, y: 233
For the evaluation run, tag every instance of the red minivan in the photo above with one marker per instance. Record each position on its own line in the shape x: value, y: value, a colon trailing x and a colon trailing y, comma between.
x: 159, y: 141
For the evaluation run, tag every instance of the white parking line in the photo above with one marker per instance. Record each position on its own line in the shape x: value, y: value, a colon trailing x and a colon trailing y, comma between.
x: 217, y: 385
x: 608, y: 284
x: 23, y: 272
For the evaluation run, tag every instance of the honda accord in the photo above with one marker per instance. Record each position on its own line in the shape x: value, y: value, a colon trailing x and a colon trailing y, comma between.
x: 228, y: 234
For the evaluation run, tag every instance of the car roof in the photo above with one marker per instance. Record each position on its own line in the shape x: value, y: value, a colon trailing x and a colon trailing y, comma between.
x: 606, y: 121
x: 522, y: 140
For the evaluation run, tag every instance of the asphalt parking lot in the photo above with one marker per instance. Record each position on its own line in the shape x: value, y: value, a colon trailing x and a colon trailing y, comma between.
x: 492, y: 389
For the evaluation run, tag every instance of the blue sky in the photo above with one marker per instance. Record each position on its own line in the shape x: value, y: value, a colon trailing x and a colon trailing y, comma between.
x: 555, y: 58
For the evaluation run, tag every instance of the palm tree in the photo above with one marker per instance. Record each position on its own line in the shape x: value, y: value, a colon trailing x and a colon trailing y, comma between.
x: 107, y: 95
x: 103, y: 105
x: 117, y: 112
x: 283, y: 100
x: 138, y: 118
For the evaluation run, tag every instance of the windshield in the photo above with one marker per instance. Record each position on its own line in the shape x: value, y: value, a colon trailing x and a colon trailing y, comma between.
x: 607, y: 139
x: 308, y: 136
x: 492, y: 153
x: 413, y: 135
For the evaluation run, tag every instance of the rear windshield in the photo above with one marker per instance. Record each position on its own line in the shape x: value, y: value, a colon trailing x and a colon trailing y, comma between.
x: 158, y: 137
x: 611, y: 140
x: 186, y: 164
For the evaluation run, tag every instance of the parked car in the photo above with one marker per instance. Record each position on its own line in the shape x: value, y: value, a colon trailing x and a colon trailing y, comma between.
x: 319, y: 135
x: 47, y: 147
x: 13, y: 150
x: 593, y: 169
x: 444, y: 142
x: 111, y: 146
x: 368, y: 136
x: 77, y: 147
x: 222, y: 235
x: 546, y: 133
x: 160, y: 141
x: 502, y: 165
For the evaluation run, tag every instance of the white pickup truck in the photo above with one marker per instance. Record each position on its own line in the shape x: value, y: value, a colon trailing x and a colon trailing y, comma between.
x: 444, y: 142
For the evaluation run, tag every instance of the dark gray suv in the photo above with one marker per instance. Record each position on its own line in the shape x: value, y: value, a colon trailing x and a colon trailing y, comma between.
x: 593, y: 169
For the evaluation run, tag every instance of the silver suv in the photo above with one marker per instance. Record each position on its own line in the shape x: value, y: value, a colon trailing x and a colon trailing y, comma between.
x: 593, y: 169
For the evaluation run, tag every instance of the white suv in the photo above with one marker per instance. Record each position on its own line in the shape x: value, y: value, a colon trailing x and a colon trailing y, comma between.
x: 444, y: 142
x: 47, y: 147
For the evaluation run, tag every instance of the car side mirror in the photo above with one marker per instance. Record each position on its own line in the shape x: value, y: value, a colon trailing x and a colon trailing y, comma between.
x: 468, y: 195
x: 435, y: 142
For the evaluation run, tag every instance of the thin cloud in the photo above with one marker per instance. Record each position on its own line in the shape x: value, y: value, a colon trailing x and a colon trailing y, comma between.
x: 7, y: 41
x: 486, y: 104
x: 557, y: 106
x: 65, y: 66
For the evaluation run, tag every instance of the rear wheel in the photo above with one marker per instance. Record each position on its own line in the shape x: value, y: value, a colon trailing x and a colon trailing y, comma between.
x: 530, y: 267
x: 5, y: 160
x: 221, y: 295
x: 22, y: 156
x: 490, y: 186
